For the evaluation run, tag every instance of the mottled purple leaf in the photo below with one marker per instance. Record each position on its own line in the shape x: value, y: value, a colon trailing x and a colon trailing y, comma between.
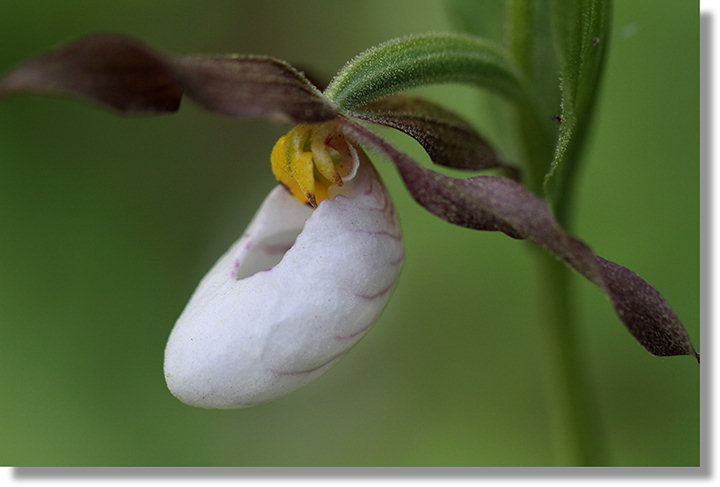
x: 111, y: 69
x: 495, y: 203
x: 124, y: 74
x: 252, y: 86
x: 448, y: 139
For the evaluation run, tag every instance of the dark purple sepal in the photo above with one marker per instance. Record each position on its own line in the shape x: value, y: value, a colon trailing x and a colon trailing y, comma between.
x: 252, y: 86
x: 448, y: 139
x: 495, y: 203
x: 113, y: 70
x: 645, y: 312
x: 124, y: 74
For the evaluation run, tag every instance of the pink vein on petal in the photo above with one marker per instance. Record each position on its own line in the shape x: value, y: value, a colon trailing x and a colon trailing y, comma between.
x: 370, y: 188
x: 307, y: 371
x: 386, y: 203
x: 355, y: 333
x: 398, y: 261
x: 394, y: 236
x: 362, y: 329
x: 378, y: 294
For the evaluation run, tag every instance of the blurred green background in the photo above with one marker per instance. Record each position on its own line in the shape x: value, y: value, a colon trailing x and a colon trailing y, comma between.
x: 107, y: 224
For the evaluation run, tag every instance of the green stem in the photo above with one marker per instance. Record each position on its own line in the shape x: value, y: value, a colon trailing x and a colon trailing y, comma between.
x: 576, y: 425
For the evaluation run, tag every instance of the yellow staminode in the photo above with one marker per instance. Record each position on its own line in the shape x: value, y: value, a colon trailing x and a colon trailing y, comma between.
x: 311, y: 158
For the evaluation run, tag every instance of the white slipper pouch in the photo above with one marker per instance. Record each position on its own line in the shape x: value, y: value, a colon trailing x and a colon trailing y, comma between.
x: 289, y: 298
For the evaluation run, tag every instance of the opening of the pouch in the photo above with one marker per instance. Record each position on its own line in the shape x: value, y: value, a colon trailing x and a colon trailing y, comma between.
x: 263, y: 253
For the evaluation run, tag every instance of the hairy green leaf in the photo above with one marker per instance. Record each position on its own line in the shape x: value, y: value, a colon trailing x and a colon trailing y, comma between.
x: 523, y: 28
x: 582, y: 37
x: 529, y: 38
x: 412, y: 61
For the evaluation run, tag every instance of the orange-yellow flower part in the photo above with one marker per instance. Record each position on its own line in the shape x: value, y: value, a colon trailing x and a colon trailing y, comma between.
x: 311, y: 158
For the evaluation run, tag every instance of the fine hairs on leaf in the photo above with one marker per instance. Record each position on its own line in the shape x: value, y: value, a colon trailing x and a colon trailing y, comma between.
x: 123, y: 74
x: 313, y: 271
x: 417, y: 60
x: 582, y: 38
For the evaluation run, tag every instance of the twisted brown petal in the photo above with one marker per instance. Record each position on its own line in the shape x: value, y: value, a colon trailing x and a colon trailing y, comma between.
x: 448, y: 139
x: 494, y: 203
x: 251, y: 86
x: 121, y: 73
x: 113, y: 70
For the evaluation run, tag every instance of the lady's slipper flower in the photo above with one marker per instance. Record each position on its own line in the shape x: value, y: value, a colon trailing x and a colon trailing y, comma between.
x: 294, y: 293
x: 319, y: 260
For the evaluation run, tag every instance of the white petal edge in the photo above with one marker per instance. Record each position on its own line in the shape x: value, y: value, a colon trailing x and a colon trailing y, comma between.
x: 312, y: 282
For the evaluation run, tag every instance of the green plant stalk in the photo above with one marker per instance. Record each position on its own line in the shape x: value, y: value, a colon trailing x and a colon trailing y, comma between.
x: 538, y: 142
x: 575, y: 419
x: 574, y: 412
x: 547, y: 131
